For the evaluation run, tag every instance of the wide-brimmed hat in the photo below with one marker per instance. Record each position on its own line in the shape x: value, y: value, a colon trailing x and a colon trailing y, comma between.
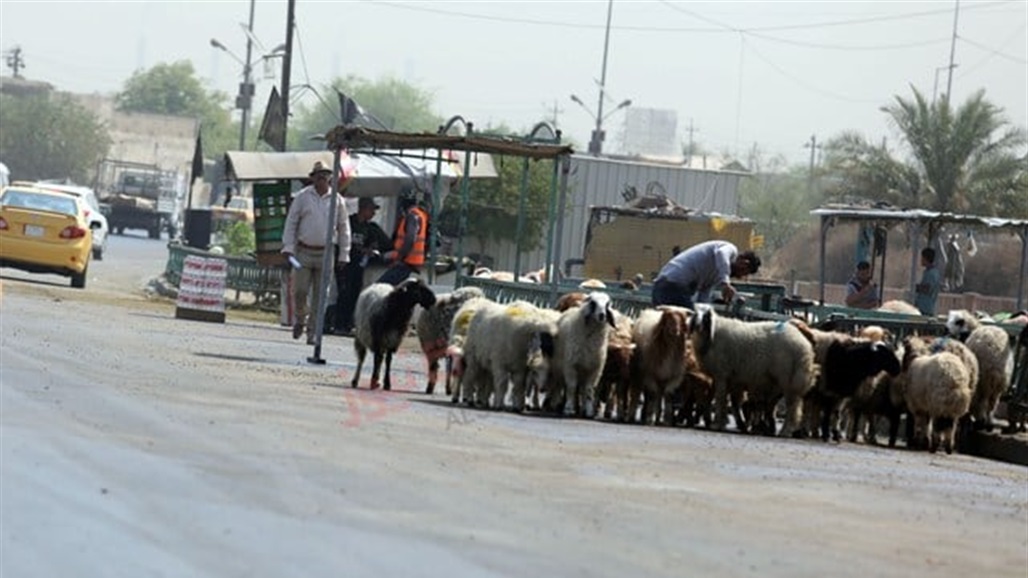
x: 367, y: 202
x: 319, y: 167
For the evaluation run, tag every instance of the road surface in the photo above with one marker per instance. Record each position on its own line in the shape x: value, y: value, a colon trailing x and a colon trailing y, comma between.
x: 134, y: 444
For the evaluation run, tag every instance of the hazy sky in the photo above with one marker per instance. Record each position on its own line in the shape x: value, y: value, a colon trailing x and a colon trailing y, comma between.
x: 770, y: 73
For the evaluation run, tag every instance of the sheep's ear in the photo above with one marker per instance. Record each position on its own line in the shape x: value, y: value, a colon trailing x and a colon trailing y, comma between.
x: 610, y: 317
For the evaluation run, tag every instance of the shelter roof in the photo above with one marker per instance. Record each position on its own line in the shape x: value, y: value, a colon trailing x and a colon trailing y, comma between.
x: 887, y: 215
x: 355, y: 137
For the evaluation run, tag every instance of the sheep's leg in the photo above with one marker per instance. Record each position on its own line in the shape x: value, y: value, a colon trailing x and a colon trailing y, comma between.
x: 376, y: 369
x: 433, y: 375
x: 361, y: 352
x: 793, y: 416
x: 448, y: 370
x: 721, y: 405
x: 388, y: 367
x: 741, y: 423
x: 517, y: 391
x: 501, y: 382
x: 570, y: 392
x: 588, y: 404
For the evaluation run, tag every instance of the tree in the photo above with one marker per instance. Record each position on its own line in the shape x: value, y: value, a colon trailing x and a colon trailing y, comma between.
x: 494, y: 205
x: 399, y: 105
x: 49, y: 136
x: 174, y: 89
x: 778, y: 202
x: 965, y: 160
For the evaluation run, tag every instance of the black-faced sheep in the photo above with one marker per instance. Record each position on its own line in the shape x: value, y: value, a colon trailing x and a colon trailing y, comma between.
x: 433, y: 329
x: 580, y: 352
x: 991, y: 347
x: 500, y: 345
x: 382, y: 318
x: 661, y: 336
x: 846, y: 366
x: 938, y: 393
x: 769, y: 359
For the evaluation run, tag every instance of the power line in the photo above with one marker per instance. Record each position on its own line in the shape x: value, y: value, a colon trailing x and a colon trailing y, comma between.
x: 995, y: 52
x: 719, y: 27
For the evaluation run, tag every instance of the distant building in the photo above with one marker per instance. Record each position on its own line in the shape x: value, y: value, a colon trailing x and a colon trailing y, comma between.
x: 651, y: 132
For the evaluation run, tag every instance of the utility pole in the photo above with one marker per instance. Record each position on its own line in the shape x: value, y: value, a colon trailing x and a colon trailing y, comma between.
x: 15, y: 61
x: 245, y: 99
x: 689, y: 154
x: 952, y: 52
x: 813, y: 146
x: 287, y: 65
x: 555, y: 113
x: 596, y: 142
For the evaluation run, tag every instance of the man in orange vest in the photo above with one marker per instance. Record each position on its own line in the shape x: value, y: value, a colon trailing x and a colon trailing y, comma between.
x: 410, y: 241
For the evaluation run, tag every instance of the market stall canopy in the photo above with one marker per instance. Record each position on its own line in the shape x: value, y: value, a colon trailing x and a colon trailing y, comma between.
x: 888, y: 216
x: 359, y: 138
x: 380, y: 175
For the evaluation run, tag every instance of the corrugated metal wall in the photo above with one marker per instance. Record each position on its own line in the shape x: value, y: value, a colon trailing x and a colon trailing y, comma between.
x: 599, y: 182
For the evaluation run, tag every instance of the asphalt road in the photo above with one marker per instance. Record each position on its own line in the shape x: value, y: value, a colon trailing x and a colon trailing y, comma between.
x: 134, y: 444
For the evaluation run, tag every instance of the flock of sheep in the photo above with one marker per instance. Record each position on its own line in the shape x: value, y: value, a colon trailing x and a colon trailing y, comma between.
x: 673, y: 365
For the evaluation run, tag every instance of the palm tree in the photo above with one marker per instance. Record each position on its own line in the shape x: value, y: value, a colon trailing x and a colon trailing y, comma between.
x: 967, y: 160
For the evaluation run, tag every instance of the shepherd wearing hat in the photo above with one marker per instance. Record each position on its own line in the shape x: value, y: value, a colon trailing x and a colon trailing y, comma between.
x: 303, y: 243
x: 369, y: 241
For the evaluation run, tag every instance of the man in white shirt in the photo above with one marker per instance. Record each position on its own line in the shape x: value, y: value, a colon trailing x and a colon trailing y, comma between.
x: 303, y: 239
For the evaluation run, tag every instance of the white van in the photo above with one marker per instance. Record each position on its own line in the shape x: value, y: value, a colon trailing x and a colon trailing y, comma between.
x: 5, y: 175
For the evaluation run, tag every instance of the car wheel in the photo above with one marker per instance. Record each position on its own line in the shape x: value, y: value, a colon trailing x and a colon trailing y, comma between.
x: 98, y: 253
x: 78, y: 280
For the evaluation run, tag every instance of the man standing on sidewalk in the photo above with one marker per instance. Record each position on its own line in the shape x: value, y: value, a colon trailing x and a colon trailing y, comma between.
x: 303, y: 244
x: 368, y: 242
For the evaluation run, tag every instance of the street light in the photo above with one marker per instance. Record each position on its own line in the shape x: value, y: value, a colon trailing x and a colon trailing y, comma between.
x: 598, y: 134
x: 246, y: 90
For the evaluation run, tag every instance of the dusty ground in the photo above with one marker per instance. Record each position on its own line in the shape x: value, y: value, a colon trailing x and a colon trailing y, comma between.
x: 135, y: 444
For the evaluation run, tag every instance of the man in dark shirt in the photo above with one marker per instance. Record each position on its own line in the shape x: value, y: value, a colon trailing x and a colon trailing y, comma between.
x: 368, y: 241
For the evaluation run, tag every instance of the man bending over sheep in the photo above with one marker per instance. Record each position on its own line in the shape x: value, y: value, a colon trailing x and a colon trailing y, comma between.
x: 692, y: 275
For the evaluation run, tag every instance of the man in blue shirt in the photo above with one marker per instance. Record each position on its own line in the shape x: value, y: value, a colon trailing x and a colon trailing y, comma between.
x: 691, y: 276
x: 927, y: 291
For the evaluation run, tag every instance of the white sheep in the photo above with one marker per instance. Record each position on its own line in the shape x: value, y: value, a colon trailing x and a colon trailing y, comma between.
x: 662, y: 340
x: 500, y: 344
x: 995, y: 355
x: 938, y: 393
x: 433, y: 329
x: 770, y: 359
x: 455, y: 349
x: 580, y: 351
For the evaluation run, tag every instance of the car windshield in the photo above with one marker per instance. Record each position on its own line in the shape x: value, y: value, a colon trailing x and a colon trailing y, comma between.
x: 39, y: 202
x: 239, y: 203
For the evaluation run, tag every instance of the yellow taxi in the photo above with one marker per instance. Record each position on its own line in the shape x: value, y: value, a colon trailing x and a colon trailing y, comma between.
x: 44, y: 232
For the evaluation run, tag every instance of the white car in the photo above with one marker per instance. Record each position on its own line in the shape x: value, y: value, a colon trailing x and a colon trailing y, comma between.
x: 97, y: 220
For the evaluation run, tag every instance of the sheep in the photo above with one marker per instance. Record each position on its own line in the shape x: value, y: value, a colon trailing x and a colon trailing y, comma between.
x: 772, y: 358
x: 815, y: 400
x: 592, y: 284
x: 500, y: 345
x: 581, y: 351
x: 991, y: 347
x: 662, y: 337
x: 382, y: 318
x: 938, y: 393
x: 455, y: 349
x: 569, y: 300
x: 897, y: 306
x: 433, y: 329
x: 846, y: 366
x: 615, y: 388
